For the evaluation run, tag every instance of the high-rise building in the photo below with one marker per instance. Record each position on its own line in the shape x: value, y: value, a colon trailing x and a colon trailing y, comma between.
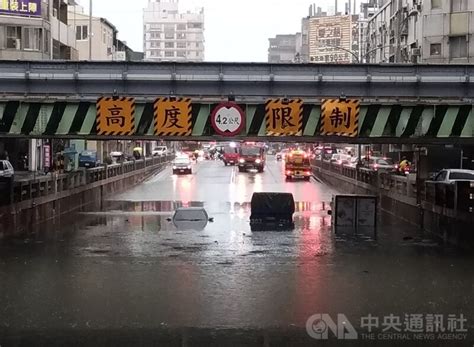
x: 284, y: 49
x: 170, y: 35
x: 421, y: 31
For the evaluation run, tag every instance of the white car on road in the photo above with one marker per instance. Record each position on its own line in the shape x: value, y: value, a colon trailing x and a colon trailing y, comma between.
x: 159, y: 151
x: 454, y: 175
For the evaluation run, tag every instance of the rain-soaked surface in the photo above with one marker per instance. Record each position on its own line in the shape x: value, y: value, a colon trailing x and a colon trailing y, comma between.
x: 124, y: 271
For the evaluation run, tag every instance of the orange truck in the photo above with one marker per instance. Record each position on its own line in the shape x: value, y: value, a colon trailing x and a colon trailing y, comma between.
x: 297, y: 165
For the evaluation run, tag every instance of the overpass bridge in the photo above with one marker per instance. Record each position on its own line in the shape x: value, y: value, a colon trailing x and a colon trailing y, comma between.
x: 391, y: 103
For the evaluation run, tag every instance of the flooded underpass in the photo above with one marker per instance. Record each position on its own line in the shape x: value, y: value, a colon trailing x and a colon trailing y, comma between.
x: 123, y: 274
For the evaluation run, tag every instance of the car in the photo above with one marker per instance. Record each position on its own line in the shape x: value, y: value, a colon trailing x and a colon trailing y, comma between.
x: 451, y: 176
x: 159, y: 151
x: 352, y: 162
x: 6, y: 169
x: 88, y: 159
x: 281, y: 155
x: 340, y: 159
x: 251, y: 157
x: 182, y: 165
x: 380, y: 164
x: 230, y: 156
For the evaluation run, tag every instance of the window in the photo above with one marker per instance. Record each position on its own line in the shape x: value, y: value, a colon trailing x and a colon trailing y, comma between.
x: 435, y: 49
x: 32, y: 38
x: 181, y: 54
x: 169, y: 35
x: 14, y: 37
x: 181, y: 44
x: 47, y: 41
x: 195, y: 25
x: 435, y: 4
x: 181, y: 36
x: 461, y: 176
x: 169, y: 54
x: 459, y: 5
x: 458, y: 47
x: 169, y: 27
x: 81, y: 32
x: 181, y: 27
x: 169, y: 44
x: 104, y: 36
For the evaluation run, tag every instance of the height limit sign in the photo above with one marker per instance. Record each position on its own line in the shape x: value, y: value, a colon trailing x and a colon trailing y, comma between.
x: 227, y: 119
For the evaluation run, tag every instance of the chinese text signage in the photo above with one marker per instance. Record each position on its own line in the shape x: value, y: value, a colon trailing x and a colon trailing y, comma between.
x: 340, y: 117
x: 173, y: 117
x: 284, y: 117
x: 116, y: 116
x: 21, y: 7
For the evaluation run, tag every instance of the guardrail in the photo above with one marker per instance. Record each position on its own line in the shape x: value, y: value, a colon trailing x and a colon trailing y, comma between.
x: 457, y: 196
x: 55, y: 183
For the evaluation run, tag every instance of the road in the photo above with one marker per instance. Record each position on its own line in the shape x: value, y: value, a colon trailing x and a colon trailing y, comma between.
x: 125, y: 272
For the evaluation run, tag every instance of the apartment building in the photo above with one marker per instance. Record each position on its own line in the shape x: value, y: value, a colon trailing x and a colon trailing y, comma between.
x: 170, y: 35
x: 421, y: 31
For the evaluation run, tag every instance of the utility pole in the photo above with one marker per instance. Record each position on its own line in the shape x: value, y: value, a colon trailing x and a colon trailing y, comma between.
x: 90, y: 30
x: 399, y: 32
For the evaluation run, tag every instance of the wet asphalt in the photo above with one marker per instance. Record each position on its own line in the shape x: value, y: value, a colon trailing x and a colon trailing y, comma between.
x: 123, y: 274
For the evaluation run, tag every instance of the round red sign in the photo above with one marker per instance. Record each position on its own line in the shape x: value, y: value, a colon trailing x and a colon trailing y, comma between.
x: 228, y: 119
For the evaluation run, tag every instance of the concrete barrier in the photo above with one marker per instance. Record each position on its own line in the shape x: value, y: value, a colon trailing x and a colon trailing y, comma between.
x: 39, y: 200
x: 398, y: 196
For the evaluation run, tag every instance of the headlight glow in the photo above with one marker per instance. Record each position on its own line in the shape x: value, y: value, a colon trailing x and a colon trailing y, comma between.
x: 257, y: 161
x: 241, y: 160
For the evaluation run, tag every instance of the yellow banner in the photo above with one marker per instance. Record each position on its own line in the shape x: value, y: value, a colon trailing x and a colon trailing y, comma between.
x: 115, y: 116
x: 173, y: 117
x: 340, y: 117
x: 284, y: 117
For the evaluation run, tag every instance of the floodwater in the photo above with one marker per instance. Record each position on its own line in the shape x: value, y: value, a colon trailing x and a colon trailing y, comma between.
x: 123, y: 274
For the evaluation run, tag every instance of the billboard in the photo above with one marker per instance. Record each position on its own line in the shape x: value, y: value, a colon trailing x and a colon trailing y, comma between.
x: 29, y: 8
x: 332, y: 38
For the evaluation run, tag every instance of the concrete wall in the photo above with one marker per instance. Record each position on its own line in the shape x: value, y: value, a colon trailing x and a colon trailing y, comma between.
x: 22, y: 216
x: 448, y: 225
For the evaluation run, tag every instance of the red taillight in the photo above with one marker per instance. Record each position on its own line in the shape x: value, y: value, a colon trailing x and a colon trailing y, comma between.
x: 308, y: 173
x: 288, y: 172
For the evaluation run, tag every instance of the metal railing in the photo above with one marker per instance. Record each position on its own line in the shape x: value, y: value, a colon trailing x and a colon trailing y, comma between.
x: 55, y: 183
x: 457, y: 196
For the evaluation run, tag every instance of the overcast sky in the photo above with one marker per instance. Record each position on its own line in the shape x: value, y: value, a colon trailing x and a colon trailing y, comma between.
x: 236, y: 30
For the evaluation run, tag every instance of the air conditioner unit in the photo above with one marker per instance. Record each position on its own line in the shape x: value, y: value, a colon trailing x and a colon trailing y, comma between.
x: 416, y: 52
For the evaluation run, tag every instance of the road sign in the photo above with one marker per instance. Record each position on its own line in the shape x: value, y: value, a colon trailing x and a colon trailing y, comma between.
x: 340, y: 117
x: 228, y: 119
x: 173, y: 117
x: 284, y: 117
x: 115, y: 116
